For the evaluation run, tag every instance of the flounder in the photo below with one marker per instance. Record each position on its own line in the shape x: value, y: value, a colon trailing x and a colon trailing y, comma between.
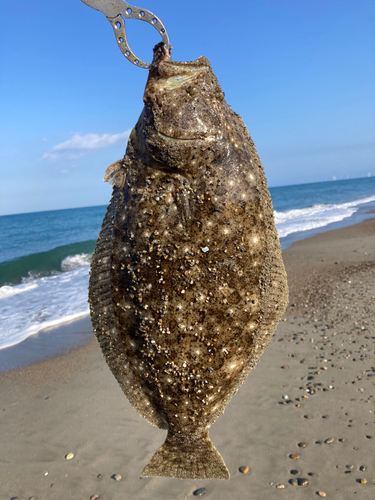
x: 187, y: 280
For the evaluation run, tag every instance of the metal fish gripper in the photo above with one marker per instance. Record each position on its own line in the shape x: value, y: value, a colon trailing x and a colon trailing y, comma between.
x: 117, y: 11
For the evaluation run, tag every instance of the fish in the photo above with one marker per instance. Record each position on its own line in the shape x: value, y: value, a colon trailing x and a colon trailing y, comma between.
x: 187, y: 280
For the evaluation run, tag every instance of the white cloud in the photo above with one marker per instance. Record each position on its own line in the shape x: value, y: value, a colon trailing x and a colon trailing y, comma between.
x: 80, y: 145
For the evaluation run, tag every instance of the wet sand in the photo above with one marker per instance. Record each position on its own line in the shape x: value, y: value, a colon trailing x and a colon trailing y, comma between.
x: 46, y: 344
x: 314, y: 386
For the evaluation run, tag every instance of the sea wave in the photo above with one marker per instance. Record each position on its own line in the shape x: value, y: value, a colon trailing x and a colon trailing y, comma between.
x: 75, y: 261
x: 9, y: 291
x: 46, y: 289
x: 41, y: 264
x: 319, y: 215
x: 42, y: 302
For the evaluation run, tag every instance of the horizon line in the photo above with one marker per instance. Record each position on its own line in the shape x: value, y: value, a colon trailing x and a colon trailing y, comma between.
x: 106, y: 204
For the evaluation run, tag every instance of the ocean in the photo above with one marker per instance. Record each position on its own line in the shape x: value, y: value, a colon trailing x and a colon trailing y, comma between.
x: 45, y: 256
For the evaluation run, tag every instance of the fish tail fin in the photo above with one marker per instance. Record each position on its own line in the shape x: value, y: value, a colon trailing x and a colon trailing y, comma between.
x: 187, y: 456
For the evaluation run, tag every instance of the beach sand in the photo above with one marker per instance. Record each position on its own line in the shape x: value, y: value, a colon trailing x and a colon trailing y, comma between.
x: 315, y: 384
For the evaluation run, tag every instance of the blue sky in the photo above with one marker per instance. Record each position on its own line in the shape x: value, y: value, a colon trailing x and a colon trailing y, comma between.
x: 301, y: 74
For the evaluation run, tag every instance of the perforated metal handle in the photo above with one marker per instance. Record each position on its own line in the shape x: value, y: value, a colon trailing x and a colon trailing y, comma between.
x: 117, y: 12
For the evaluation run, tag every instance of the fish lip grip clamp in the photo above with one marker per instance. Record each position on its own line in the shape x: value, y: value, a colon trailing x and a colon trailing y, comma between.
x: 117, y: 11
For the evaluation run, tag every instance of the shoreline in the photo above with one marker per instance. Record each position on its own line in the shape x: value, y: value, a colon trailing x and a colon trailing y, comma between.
x: 364, y: 212
x: 60, y: 340
x: 48, y: 343
x: 314, y: 385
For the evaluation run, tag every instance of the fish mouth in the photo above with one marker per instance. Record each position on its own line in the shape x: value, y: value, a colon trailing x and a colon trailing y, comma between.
x: 172, y: 75
x: 175, y: 82
x: 186, y: 124
x: 179, y: 67
x: 164, y: 66
x: 180, y: 97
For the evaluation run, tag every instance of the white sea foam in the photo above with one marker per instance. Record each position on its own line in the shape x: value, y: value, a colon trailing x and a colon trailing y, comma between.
x: 74, y: 261
x: 320, y: 215
x: 43, y: 302
x: 9, y: 291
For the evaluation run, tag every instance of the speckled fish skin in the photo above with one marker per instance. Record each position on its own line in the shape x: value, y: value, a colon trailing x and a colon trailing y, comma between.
x: 187, y: 281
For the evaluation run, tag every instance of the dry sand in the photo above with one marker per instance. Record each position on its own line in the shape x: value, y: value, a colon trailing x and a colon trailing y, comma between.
x: 315, y: 382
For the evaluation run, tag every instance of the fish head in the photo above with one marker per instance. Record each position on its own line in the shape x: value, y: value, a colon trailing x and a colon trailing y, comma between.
x: 183, y: 118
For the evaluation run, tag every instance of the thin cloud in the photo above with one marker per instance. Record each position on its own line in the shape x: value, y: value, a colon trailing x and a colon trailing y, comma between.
x: 80, y: 145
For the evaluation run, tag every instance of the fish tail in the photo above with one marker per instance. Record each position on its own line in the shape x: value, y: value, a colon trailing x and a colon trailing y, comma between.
x: 187, y: 456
